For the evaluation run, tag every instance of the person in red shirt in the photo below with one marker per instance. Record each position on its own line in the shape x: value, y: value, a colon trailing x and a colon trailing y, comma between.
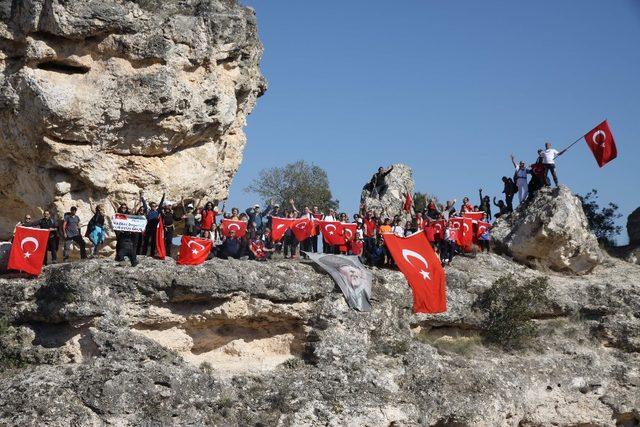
x: 208, y: 220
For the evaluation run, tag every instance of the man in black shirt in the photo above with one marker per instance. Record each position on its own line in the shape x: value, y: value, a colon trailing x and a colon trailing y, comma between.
x: 378, y: 184
x: 48, y: 223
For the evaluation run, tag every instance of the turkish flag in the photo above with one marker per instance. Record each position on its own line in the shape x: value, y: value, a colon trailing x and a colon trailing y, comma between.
x: 408, y: 201
x: 439, y: 229
x: 430, y: 232
x: 603, y: 146
x: 302, y: 228
x: 466, y: 234
x: 332, y: 233
x: 279, y: 226
x: 193, y: 250
x: 160, y: 248
x: 482, y: 228
x: 229, y: 225
x: 257, y: 248
x: 356, y: 247
x: 349, y: 230
x: 422, y: 269
x: 28, y: 249
x: 318, y: 216
x: 476, y: 216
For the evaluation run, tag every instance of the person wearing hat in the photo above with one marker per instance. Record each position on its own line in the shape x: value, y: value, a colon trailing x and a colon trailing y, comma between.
x: 259, y: 218
x: 189, y: 219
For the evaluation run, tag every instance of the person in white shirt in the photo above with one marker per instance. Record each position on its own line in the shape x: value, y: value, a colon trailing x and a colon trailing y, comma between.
x: 548, y: 159
x: 398, y: 229
x: 520, y: 178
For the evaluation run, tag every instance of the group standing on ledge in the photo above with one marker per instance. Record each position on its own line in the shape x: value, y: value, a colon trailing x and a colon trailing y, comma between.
x: 258, y: 243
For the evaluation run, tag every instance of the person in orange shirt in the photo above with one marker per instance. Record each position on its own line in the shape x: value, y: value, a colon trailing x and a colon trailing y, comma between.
x: 386, y: 226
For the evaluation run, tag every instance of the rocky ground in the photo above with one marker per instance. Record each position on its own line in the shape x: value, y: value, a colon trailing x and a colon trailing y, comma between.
x: 247, y: 343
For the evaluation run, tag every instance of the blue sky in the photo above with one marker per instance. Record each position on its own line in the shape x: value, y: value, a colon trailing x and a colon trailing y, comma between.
x: 449, y: 88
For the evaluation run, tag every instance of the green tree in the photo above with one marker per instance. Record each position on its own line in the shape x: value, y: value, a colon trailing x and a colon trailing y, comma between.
x: 305, y: 183
x: 602, y: 221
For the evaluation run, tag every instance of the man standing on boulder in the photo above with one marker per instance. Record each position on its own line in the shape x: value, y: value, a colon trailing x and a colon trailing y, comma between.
x: 520, y: 178
x: 548, y: 159
x: 378, y: 184
x: 71, y: 232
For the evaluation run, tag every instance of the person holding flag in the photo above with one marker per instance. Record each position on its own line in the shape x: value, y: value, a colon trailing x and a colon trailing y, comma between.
x: 549, y: 156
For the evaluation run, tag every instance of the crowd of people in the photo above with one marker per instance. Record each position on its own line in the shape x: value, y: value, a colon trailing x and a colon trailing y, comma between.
x: 191, y: 219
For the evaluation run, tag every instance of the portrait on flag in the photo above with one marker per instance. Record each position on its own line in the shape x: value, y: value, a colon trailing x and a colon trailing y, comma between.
x: 351, y: 276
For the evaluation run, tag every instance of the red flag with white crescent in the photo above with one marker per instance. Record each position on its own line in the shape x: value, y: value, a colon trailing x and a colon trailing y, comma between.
x: 603, y: 146
x: 229, y: 225
x: 421, y: 267
x: 28, y: 249
x: 193, y: 250
x: 483, y: 227
x: 302, y: 228
x: 430, y: 231
x: 439, y: 229
x: 465, y: 237
x: 279, y: 226
x: 160, y: 247
x: 332, y: 233
x: 257, y: 249
x: 349, y: 230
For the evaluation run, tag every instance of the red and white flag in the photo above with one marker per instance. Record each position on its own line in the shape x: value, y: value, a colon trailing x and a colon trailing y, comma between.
x: 603, y: 146
x: 483, y: 227
x: 475, y: 216
x: 160, y: 247
x: 229, y: 225
x: 28, y: 249
x: 193, y: 250
x: 422, y: 269
x: 279, y: 226
x: 302, y: 228
x: 349, y: 230
x: 466, y: 235
x: 332, y: 232
x: 257, y: 249
x: 439, y: 229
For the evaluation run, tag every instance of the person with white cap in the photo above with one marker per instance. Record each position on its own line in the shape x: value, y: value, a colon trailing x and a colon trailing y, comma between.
x: 189, y: 219
x: 257, y: 217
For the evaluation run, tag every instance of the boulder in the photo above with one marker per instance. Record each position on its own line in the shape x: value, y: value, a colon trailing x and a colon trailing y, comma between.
x: 633, y: 227
x: 400, y: 182
x: 550, y: 230
x: 105, y: 98
x: 274, y: 343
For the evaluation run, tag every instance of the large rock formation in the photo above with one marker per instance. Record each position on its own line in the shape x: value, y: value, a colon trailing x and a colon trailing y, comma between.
x: 247, y: 343
x: 400, y: 182
x: 551, y: 231
x: 633, y: 227
x: 104, y: 98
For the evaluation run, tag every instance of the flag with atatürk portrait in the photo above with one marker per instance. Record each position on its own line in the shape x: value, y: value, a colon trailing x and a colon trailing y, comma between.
x: 351, y: 276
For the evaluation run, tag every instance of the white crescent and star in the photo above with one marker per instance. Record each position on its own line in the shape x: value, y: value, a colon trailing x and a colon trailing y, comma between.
x: 33, y: 240
x: 465, y: 227
x: 195, y: 251
x: 328, y: 227
x: 596, y: 135
x: 234, y: 226
x: 455, y: 224
x: 407, y: 253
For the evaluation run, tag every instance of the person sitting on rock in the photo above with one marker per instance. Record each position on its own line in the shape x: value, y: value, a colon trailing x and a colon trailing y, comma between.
x: 504, y: 209
x: 378, y: 185
x: 231, y: 246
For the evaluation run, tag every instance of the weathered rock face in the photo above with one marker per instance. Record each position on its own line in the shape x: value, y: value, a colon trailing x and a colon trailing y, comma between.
x: 104, y: 98
x: 400, y: 182
x: 633, y: 227
x: 551, y: 231
x: 241, y: 343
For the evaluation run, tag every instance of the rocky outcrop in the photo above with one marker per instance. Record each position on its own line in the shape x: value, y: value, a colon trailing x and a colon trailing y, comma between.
x: 104, y: 98
x: 400, y: 182
x: 550, y: 231
x: 246, y: 343
x: 633, y: 227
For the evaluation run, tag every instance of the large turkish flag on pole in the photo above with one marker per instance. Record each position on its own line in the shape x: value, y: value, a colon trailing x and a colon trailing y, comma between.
x: 160, y: 247
x: 193, y: 250
x: 28, y: 249
x: 302, y: 228
x: 422, y: 269
x: 332, y: 232
x: 229, y: 225
x: 603, y: 146
x: 279, y: 226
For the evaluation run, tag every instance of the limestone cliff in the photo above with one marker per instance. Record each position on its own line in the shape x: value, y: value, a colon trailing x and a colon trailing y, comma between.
x: 104, y: 98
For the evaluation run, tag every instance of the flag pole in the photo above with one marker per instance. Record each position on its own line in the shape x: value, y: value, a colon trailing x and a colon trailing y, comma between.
x: 573, y: 143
